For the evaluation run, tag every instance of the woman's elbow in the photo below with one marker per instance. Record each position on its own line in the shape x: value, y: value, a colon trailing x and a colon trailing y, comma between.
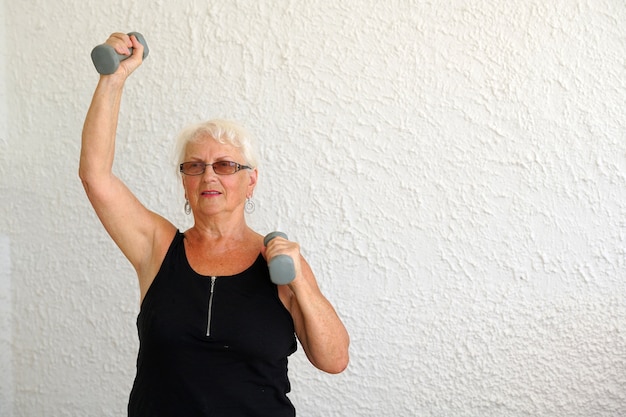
x: 338, y: 366
x: 335, y: 363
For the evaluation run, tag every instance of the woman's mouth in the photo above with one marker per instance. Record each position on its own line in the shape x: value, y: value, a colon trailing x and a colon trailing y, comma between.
x: 210, y: 193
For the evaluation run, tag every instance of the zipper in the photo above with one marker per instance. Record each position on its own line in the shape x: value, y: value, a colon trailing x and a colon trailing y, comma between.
x: 208, y: 326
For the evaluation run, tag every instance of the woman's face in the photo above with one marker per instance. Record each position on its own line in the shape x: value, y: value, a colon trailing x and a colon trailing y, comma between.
x: 210, y: 193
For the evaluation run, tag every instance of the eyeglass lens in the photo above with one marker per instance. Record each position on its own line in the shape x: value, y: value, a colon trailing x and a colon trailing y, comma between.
x: 219, y: 167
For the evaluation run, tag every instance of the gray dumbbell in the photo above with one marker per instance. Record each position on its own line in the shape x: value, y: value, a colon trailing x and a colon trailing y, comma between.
x: 282, y: 269
x: 107, y: 61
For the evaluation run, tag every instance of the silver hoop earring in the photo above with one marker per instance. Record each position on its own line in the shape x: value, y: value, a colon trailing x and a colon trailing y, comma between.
x: 187, y: 207
x: 249, y: 207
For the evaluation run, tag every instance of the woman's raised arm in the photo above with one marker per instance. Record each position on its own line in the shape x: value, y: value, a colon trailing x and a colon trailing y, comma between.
x: 139, y: 233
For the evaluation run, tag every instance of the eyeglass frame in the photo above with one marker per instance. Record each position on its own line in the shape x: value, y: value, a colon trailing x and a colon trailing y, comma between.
x: 238, y: 167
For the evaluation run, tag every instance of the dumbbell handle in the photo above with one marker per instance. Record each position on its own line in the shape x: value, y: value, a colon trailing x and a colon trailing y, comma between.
x: 107, y: 61
x: 282, y: 270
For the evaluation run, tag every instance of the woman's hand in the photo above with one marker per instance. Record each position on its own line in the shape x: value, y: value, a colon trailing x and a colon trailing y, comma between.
x: 122, y: 43
x: 281, y: 246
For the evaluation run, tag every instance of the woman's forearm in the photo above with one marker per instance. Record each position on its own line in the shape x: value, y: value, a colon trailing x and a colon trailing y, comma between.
x: 321, y: 331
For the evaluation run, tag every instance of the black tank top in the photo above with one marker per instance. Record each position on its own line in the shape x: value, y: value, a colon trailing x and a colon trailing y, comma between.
x: 212, y: 346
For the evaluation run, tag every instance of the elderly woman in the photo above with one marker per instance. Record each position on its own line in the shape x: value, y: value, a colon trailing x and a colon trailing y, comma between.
x: 214, y: 331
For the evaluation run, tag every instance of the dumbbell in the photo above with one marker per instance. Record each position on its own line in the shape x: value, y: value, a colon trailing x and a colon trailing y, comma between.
x: 282, y: 270
x: 107, y: 61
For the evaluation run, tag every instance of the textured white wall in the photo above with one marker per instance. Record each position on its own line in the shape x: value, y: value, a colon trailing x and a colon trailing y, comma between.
x: 455, y: 172
x: 6, y: 320
x: 6, y: 329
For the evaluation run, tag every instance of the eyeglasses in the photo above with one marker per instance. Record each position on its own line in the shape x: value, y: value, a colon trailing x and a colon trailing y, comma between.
x: 219, y: 167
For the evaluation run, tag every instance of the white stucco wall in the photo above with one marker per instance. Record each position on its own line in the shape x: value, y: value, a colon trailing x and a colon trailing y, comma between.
x: 454, y: 171
x: 6, y: 305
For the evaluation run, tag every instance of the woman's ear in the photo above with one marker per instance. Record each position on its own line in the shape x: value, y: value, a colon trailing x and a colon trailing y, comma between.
x: 182, y: 180
x: 254, y: 175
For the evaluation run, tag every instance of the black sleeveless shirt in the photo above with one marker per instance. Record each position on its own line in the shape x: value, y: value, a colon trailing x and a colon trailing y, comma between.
x: 212, y: 346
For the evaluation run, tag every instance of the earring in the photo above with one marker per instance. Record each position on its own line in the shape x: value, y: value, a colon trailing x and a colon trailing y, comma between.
x: 187, y: 207
x: 249, y: 207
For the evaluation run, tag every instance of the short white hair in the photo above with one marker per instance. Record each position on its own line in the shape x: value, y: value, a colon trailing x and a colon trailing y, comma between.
x: 222, y: 131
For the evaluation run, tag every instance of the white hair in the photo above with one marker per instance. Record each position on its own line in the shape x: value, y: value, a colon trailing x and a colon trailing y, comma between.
x: 222, y: 131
